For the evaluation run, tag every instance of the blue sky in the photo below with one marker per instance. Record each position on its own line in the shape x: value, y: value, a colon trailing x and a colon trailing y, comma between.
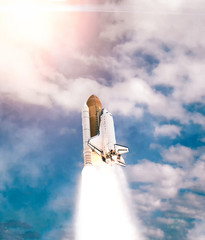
x: 146, y: 64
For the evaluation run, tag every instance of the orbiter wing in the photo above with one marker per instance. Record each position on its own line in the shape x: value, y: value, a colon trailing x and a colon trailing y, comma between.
x: 96, y: 144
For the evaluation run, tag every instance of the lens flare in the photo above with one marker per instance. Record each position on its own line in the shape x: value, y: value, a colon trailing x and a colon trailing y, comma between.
x: 104, y: 206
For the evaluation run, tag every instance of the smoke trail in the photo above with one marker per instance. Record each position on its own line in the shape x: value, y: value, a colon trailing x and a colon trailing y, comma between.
x: 103, y: 209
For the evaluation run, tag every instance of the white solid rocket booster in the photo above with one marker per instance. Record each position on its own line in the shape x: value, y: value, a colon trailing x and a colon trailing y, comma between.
x: 86, y: 134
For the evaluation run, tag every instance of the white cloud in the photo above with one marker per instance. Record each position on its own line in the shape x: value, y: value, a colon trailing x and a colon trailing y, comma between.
x: 146, y: 201
x: 197, y: 173
x: 157, y: 182
x: 202, y: 157
x: 154, y: 232
x: 198, y: 118
x: 62, y: 200
x: 170, y: 220
x: 23, y: 141
x: 162, y: 180
x: 69, y: 83
x: 198, y: 232
x: 157, y: 188
x: 167, y: 130
x: 123, y: 98
x: 180, y: 62
x: 179, y: 154
x: 190, y: 205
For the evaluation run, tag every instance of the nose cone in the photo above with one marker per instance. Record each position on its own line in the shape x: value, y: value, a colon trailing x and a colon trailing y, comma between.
x: 95, y: 108
x: 94, y: 100
x: 85, y: 107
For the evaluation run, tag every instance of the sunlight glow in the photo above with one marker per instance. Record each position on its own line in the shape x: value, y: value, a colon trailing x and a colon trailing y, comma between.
x: 25, y: 20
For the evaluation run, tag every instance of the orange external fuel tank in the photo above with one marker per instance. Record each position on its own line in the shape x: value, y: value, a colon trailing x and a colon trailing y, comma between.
x: 95, y: 109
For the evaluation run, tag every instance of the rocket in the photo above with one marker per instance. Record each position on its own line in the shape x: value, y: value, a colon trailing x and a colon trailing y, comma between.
x: 99, y: 143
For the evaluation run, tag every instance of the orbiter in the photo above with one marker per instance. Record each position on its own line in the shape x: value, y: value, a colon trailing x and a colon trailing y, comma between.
x: 99, y: 143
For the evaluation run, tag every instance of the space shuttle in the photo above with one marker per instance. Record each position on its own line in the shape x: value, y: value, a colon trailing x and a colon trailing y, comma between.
x: 99, y: 143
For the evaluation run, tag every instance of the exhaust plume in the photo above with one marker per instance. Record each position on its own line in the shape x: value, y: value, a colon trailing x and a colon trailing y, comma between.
x: 104, y: 206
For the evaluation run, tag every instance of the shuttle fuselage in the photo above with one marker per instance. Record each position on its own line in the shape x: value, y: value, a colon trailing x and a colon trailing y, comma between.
x: 99, y: 135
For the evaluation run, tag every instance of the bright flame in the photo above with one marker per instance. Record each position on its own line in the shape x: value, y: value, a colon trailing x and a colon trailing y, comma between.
x: 104, y: 211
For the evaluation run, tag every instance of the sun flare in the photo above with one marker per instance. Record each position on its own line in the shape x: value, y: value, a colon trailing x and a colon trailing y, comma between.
x: 27, y: 21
